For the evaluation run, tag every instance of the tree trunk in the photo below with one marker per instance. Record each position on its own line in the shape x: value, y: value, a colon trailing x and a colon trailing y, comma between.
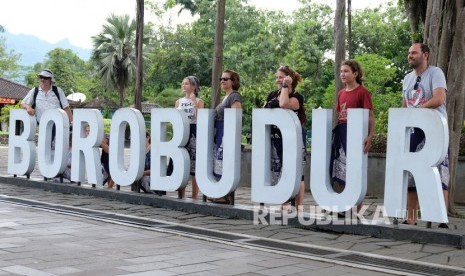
x: 413, y: 19
x: 445, y: 43
x: 339, y: 40
x: 121, y: 92
x: 456, y: 97
x: 433, y: 29
x: 416, y: 11
x: 349, y: 28
x: 218, y: 52
x: 139, y: 55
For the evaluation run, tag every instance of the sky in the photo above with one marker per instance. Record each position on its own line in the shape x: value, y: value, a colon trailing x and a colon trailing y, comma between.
x: 79, y: 20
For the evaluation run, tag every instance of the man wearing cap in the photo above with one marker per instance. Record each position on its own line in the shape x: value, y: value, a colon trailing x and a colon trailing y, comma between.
x: 46, y: 97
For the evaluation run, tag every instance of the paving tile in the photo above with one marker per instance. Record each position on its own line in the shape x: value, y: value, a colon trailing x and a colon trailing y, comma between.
x: 185, y: 269
x: 142, y: 252
x: 151, y: 273
x: 63, y: 270
x: 24, y: 270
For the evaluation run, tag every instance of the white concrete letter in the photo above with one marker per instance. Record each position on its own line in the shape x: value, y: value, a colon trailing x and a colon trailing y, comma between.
x: 162, y: 149
x: 21, y: 148
x: 421, y: 164
x: 122, y: 117
x: 53, y: 163
x: 356, y: 162
x: 208, y: 184
x: 85, y: 150
x: 291, y: 131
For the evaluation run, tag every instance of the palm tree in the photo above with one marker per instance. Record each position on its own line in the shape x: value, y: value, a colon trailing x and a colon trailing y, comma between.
x: 115, y: 53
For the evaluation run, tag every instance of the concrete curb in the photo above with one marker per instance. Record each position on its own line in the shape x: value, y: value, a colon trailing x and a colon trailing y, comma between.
x: 449, y: 237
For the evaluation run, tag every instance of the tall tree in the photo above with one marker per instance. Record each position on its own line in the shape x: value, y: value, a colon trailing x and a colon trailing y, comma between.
x: 217, y: 63
x: 339, y: 36
x: 115, y: 55
x: 383, y: 31
x: 8, y: 61
x: 349, y: 28
x: 66, y: 66
x: 218, y: 52
x: 139, y: 55
x: 444, y: 32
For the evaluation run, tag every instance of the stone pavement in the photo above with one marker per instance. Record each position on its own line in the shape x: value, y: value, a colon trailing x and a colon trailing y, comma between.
x: 246, y: 209
x: 36, y: 242
x: 433, y: 246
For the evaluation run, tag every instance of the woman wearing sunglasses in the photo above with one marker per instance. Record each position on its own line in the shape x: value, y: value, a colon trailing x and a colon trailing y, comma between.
x: 230, y: 83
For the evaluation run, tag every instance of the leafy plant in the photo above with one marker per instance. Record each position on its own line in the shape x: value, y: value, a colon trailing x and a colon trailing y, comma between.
x: 5, y: 112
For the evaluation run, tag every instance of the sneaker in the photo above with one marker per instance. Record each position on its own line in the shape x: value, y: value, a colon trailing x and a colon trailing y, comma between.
x: 443, y: 225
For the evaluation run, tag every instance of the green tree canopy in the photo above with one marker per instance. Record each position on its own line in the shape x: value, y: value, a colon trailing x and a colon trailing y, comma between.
x: 9, y: 67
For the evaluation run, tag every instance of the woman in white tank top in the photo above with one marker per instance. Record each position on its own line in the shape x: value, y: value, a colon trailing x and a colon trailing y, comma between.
x: 190, y: 103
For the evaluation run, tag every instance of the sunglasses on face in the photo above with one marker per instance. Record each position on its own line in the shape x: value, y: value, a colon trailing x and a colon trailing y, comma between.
x: 417, y: 83
x: 224, y: 79
x: 44, y: 78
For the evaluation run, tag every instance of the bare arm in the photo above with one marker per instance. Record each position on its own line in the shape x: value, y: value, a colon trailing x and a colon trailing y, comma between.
x: 105, y: 146
x: 70, y: 114
x: 236, y: 105
x: 197, y: 103
x: 371, y: 132
x: 439, y: 96
x: 284, y: 100
x: 28, y: 108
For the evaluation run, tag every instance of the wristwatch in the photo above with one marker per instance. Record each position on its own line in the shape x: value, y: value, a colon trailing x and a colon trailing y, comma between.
x: 285, y: 85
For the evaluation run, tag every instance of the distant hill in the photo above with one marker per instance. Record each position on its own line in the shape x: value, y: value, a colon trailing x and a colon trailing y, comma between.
x: 33, y: 49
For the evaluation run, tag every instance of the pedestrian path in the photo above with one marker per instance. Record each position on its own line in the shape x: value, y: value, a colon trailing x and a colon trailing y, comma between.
x: 123, y: 247
x: 35, y: 242
x: 246, y: 209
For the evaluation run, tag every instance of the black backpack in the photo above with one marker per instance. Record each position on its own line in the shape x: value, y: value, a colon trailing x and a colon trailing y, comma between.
x: 54, y: 89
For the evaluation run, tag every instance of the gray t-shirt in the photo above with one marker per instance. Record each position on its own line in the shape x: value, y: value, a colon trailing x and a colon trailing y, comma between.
x: 227, y: 103
x: 45, y: 101
x: 431, y: 79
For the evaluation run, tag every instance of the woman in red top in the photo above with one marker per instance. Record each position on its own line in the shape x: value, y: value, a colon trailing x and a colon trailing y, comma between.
x: 353, y: 95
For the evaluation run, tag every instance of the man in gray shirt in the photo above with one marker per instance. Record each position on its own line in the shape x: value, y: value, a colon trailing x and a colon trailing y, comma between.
x: 424, y: 87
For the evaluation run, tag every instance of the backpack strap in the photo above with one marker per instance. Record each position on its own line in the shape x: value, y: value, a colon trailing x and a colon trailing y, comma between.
x: 55, y: 91
x: 36, y: 91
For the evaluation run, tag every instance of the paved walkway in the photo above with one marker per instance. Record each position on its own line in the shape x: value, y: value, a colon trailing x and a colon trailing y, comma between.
x: 243, y: 199
x: 386, y: 249
x: 40, y: 243
x: 60, y: 234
